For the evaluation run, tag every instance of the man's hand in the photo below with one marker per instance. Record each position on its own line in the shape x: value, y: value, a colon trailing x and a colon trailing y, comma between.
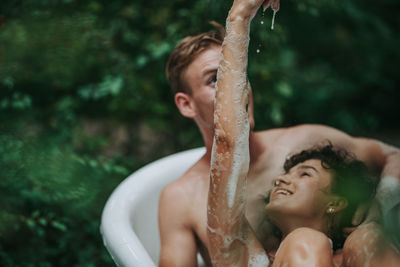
x: 358, y: 217
x: 365, y: 213
x: 374, y: 213
x: 247, y: 9
x: 273, y: 3
x: 369, y: 212
x: 383, y: 209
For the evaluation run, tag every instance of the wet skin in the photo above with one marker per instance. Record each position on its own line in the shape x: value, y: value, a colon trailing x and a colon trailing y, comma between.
x: 185, y: 200
x: 183, y: 203
x: 232, y: 241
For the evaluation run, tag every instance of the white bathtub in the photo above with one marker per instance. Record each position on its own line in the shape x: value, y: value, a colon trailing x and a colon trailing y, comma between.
x: 129, y: 223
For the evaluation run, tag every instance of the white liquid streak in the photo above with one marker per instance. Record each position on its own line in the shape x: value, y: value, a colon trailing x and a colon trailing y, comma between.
x: 273, y: 20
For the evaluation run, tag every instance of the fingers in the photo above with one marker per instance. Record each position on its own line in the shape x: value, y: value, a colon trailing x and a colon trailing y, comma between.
x: 273, y: 3
x: 348, y: 230
x: 266, y: 4
x: 246, y: 9
x: 360, y: 214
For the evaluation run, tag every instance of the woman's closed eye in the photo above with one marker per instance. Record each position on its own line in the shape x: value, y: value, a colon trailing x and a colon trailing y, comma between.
x: 304, y: 174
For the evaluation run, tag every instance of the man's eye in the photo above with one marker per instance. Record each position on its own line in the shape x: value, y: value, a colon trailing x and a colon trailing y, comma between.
x: 305, y: 174
x: 213, y: 80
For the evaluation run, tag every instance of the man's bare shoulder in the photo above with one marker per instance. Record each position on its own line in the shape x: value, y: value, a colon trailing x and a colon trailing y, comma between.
x: 193, y: 182
x: 194, y: 175
x: 270, y: 135
x: 181, y: 200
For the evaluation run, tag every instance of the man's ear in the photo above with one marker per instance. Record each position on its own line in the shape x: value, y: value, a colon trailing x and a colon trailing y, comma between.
x: 185, y: 105
x: 336, y: 204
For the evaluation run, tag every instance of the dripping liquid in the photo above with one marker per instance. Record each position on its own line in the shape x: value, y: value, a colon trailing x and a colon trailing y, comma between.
x: 273, y: 19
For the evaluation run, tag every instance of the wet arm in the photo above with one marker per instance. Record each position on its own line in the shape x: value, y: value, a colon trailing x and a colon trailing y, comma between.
x: 232, y: 241
x: 385, y: 158
x: 388, y: 191
x: 391, y: 156
x: 377, y: 156
x: 381, y: 157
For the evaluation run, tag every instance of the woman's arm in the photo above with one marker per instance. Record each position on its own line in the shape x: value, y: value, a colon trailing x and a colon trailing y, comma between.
x: 231, y: 240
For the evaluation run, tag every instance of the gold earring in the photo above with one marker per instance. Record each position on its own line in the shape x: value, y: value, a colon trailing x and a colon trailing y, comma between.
x: 330, y: 210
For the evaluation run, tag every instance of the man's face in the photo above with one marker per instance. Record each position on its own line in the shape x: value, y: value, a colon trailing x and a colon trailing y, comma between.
x: 201, y: 77
x: 303, y: 192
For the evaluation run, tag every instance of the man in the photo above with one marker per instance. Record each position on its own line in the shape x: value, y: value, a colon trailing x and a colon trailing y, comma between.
x: 191, y: 71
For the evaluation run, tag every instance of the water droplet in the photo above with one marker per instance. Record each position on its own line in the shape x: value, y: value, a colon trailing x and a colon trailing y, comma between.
x: 262, y: 18
x: 258, y: 51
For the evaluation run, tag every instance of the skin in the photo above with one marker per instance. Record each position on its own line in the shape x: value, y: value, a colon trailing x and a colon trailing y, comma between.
x: 232, y: 240
x: 301, y: 199
x: 305, y: 247
x: 303, y: 217
x: 181, y: 223
x: 380, y: 251
x: 183, y: 203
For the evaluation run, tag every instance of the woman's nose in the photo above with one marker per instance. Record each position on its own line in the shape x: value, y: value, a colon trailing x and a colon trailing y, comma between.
x: 283, y: 179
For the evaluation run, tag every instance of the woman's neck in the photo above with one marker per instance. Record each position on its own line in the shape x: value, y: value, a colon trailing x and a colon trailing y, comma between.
x: 289, y: 224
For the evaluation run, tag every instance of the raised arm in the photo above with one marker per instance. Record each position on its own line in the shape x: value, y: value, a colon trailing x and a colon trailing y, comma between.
x: 387, y: 158
x: 389, y: 187
x: 232, y: 242
x: 379, y: 157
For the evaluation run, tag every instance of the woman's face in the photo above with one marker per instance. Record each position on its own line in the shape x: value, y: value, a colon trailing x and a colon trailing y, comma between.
x: 303, y: 192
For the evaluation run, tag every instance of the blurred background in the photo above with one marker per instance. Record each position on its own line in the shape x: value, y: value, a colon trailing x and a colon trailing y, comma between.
x: 84, y: 100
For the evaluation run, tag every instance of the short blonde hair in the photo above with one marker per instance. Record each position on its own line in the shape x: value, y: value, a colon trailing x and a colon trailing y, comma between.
x: 186, y: 51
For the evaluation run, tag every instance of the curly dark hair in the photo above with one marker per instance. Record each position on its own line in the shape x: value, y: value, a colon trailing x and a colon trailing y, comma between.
x: 351, y: 180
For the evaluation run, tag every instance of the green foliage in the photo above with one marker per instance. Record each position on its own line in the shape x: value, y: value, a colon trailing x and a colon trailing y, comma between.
x: 328, y: 62
x: 74, y: 74
x: 51, y: 202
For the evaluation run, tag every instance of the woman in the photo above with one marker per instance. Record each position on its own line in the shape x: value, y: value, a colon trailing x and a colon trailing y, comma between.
x: 306, y: 204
